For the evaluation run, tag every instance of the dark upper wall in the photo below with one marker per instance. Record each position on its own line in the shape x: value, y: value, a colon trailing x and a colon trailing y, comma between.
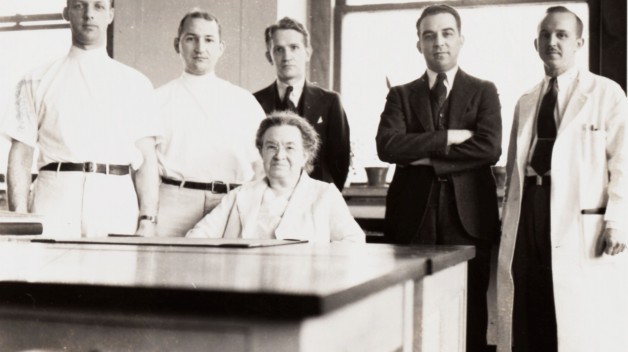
x: 612, y: 40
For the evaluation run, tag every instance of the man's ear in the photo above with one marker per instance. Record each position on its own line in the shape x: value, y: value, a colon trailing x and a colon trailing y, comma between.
x: 580, y: 42
x: 418, y: 46
x: 65, y: 14
x: 536, y: 45
x: 112, y: 12
x: 269, y: 58
x: 176, y: 45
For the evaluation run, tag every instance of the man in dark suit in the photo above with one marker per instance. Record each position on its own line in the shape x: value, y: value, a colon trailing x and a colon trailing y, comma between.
x: 443, y: 131
x: 288, y: 49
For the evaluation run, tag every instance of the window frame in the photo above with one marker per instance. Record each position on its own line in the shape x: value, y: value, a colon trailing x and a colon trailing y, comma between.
x: 341, y: 9
x: 31, y: 20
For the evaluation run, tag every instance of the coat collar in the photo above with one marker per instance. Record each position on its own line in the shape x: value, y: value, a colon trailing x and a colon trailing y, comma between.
x: 528, y: 103
x: 249, y: 205
x: 420, y: 102
x: 584, y: 86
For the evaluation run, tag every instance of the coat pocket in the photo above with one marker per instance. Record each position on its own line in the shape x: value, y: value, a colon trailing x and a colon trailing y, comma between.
x: 592, y: 227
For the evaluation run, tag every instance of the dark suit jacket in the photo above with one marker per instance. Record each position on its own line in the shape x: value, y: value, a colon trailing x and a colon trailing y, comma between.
x: 323, y: 110
x: 406, y: 133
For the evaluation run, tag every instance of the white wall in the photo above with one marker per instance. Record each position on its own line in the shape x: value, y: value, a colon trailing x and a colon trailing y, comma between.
x: 145, y: 29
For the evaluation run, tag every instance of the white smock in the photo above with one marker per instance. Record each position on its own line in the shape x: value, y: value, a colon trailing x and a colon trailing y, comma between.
x: 209, y: 135
x: 84, y: 107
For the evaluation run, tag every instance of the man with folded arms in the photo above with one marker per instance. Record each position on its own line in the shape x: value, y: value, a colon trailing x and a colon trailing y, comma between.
x: 91, y: 119
x: 209, y: 125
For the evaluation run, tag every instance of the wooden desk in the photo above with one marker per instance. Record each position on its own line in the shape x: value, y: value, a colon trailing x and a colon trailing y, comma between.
x: 300, y: 297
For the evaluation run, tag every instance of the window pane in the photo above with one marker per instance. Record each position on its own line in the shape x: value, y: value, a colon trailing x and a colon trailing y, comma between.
x: 24, y: 51
x: 373, y: 2
x: 27, y: 7
x: 381, y: 46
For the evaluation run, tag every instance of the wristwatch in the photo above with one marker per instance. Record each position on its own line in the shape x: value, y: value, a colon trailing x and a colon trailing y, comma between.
x: 151, y: 218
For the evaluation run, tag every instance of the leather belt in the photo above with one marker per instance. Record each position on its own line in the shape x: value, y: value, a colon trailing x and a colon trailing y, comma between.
x: 214, y: 187
x: 89, y: 167
x: 437, y: 178
x: 537, y: 181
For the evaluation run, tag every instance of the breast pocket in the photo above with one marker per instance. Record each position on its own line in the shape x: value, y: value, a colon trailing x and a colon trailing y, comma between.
x: 594, y: 146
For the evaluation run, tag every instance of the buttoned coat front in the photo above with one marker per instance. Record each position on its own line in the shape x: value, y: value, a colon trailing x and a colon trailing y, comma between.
x: 589, y: 177
x: 407, y: 133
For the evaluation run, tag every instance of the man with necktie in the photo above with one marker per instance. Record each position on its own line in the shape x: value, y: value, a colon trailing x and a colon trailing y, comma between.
x: 288, y: 49
x: 561, y: 279
x: 443, y: 131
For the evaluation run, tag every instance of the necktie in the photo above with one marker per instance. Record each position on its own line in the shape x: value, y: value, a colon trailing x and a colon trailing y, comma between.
x: 438, y: 95
x: 287, y: 103
x: 545, y: 131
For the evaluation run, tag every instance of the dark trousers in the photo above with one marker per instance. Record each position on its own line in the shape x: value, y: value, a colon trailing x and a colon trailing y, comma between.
x: 441, y: 225
x: 534, y: 314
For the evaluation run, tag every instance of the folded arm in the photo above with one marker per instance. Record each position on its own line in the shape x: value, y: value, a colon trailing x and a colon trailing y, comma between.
x: 398, y: 146
x: 483, y: 146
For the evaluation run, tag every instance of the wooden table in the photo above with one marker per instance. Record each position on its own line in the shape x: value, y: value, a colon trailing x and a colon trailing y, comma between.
x: 300, y: 297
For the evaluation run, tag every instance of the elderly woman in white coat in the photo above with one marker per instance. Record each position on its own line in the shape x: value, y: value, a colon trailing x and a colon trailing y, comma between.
x: 287, y: 203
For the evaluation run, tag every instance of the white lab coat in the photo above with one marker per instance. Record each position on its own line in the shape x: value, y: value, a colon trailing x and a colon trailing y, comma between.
x: 589, y: 171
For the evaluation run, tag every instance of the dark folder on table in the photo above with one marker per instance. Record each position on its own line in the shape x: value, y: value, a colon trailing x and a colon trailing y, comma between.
x: 174, y: 241
x: 12, y: 223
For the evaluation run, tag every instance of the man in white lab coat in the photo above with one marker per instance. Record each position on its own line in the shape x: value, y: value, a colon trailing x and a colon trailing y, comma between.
x: 563, y: 272
x: 91, y: 119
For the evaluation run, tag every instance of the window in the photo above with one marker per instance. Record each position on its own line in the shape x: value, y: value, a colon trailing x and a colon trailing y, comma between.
x: 378, y: 48
x: 32, y: 33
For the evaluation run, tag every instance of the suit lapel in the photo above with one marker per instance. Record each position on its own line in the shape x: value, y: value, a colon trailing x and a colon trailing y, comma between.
x: 420, y: 103
x: 458, y: 99
x: 311, y: 107
x: 577, y: 101
x: 292, y: 219
x: 527, y: 114
x: 248, y: 203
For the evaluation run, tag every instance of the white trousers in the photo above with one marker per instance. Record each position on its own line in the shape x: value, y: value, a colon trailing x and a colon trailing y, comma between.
x: 77, y: 204
x: 181, y: 208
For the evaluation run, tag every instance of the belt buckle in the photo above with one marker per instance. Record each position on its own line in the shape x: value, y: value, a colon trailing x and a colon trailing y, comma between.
x: 216, y: 183
x: 539, y: 180
x: 90, y: 167
x: 441, y: 179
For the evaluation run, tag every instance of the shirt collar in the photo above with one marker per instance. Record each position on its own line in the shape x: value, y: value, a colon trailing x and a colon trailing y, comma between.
x: 563, y: 80
x: 297, y: 90
x: 449, y: 82
x: 198, y: 78
x: 82, y: 54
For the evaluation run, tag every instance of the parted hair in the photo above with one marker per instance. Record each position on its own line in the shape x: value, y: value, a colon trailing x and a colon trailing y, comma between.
x: 563, y: 9
x: 435, y: 10
x: 311, y: 141
x: 67, y: 3
x: 287, y: 23
x: 199, y: 13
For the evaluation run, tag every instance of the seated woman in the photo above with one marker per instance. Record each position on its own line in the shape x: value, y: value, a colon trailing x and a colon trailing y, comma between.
x: 287, y: 203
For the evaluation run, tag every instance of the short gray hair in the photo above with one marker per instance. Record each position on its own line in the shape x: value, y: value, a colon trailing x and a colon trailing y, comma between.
x: 311, y: 141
